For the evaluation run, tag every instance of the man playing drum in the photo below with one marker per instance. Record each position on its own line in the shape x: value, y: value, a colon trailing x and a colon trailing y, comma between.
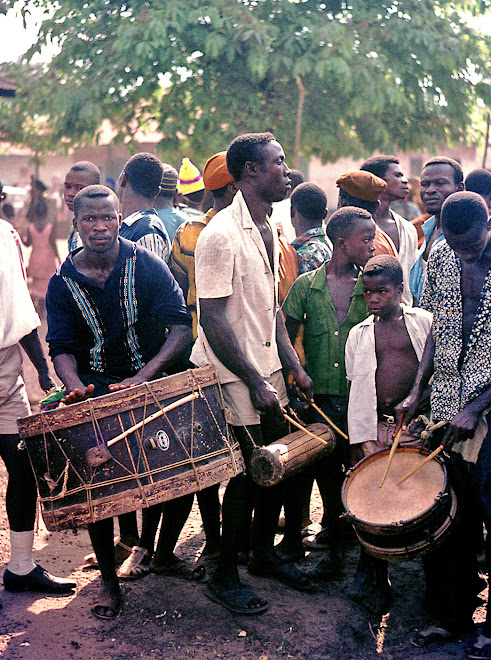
x: 382, y: 359
x: 109, y: 305
x: 458, y: 356
x: 242, y: 333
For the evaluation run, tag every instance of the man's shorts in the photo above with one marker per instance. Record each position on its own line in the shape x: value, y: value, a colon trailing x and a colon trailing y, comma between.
x: 385, y: 438
x: 13, y: 397
x: 238, y: 402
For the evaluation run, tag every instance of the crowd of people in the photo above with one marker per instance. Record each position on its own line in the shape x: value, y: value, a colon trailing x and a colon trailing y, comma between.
x: 373, y: 317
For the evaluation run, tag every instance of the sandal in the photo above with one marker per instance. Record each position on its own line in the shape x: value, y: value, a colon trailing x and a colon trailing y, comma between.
x: 136, y: 566
x: 289, y: 574
x: 121, y: 552
x: 480, y: 650
x: 318, y: 542
x: 241, y: 600
x: 432, y: 635
x: 175, y: 568
x: 107, y: 605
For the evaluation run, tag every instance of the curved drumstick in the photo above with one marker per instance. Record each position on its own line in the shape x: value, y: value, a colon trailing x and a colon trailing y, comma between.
x: 392, y: 452
x: 429, y: 458
x: 322, y: 414
x: 302, y: 428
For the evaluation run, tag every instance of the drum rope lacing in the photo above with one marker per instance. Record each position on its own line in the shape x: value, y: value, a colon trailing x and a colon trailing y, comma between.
x: 88, y: 487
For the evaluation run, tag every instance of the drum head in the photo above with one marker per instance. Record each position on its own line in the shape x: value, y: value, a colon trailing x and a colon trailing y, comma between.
x: 392, y: 504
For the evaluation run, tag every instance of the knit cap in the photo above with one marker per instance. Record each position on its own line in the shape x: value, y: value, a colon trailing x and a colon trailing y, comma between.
x: 190, y: 179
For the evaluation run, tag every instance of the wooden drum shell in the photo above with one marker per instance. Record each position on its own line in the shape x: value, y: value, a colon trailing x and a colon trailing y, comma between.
x: 282, y: 458
x: 183, y: 451
x: 404, y: 539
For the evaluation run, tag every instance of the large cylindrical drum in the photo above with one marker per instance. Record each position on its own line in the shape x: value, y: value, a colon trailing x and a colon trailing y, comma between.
x: 399, y: 522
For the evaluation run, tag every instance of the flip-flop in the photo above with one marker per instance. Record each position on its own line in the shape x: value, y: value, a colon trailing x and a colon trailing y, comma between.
x: 317, y: 542
x: 236, y: 600
x: 432, y: 635
x: 136, y: 566
x: 480, y: 650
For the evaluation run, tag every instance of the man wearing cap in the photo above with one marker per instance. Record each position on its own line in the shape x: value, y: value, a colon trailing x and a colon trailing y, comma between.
x: 220, y: 182
x: 191, y: 188
x: 403, y: 233
x: 362, y: 189
x: 138, y: 186
x: 166, y: 202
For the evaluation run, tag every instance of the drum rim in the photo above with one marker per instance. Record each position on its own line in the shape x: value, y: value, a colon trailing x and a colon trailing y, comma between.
x: 368, y: 459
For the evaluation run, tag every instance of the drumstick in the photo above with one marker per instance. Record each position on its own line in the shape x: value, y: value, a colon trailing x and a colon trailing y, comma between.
x: 392, y: 452
x: 322, y: 414
x: 302, y: 428
x: 426, y: 460
x: 147, y: 420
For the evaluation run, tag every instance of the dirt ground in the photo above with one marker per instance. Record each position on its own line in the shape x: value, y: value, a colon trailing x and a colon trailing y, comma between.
x: 172, y: 618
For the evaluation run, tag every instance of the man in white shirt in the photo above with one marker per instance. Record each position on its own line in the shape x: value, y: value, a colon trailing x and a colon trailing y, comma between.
x: 242, y: 333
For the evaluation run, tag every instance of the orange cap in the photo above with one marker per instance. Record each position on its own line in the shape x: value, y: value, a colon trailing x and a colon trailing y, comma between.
x: 363, y: 185
x: 216, y: 174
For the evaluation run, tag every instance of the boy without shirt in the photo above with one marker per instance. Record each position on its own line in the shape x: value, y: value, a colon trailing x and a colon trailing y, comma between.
x: 382, y: 356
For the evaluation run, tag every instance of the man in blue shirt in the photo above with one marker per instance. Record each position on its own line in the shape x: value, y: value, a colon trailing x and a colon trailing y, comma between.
x: 108, y: 307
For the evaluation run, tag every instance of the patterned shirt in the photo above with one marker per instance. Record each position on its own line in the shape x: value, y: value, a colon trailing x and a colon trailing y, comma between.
x: 456, y: 381
x: 115, y: 329
x: 146, y: 229
x: 182, y: 258
x: 310, y: 302
x: 313, y: 249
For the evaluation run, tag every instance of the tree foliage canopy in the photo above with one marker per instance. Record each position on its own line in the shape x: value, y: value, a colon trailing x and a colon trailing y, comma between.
x: 378, y: 74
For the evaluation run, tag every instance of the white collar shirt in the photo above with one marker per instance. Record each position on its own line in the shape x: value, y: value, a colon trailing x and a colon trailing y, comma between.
x: 361, y: 365
x: 232, y: 262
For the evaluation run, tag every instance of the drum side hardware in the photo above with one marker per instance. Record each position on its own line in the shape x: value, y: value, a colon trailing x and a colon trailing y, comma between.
x: 97, y: 456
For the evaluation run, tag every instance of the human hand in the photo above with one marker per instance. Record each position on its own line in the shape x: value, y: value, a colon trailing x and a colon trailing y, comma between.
x: 126, y: 383
x: 407, y: 408
x: 46, y: 383
x: 300, y: 379
x: 77, y: 395
x: 264, y: 398
x: 462, y: 427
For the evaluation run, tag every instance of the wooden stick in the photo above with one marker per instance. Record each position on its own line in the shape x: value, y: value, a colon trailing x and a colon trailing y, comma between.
x: 302, y: 428
x: 322, y: 414
x: 426, y: 460
x: 391, y: 454
x: 171, y: 406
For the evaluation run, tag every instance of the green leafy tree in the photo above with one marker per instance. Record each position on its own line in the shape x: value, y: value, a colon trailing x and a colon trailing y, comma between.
x: 376, y: 74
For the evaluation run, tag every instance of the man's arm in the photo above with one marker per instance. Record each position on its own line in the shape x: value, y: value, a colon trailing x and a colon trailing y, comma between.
x: 289, y: 360
x: 292, y: 327
x: 32, y: 346
x: 410, y: 404
x: 464, y: 424
x: 224, y: 344
x: 178, y: 340
x: 66, y: 369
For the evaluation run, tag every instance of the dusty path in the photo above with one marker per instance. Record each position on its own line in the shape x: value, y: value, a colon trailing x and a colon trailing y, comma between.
x: 171, y: 618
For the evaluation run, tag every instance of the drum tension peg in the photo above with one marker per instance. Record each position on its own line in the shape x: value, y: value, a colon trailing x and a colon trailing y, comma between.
x: 197, y: 427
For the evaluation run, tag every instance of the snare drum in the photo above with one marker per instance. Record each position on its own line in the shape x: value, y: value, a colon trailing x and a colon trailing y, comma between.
x: 399, y: 522
x: 182, y: 451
